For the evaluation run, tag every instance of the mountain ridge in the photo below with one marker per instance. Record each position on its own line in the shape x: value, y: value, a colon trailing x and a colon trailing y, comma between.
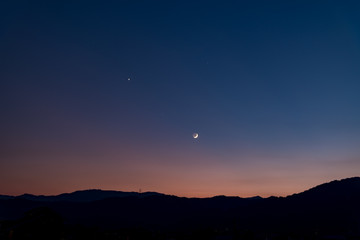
x: 90, y: 195
x: 329, y: 208
x: 87, y: 195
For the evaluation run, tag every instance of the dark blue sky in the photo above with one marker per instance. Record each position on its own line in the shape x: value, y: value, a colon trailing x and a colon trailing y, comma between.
x: 272, y: 88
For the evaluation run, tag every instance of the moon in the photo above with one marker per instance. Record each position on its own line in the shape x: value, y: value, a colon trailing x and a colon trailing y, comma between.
x: 195, y: 135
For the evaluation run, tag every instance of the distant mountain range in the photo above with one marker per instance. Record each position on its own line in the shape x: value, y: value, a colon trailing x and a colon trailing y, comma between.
x: 331, y: 208
x: 82, y: 196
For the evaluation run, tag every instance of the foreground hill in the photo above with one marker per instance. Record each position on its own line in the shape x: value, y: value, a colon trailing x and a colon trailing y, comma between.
x: 330, y: 209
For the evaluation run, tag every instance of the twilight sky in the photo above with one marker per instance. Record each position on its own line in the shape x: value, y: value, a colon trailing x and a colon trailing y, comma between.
x: 272, y: 88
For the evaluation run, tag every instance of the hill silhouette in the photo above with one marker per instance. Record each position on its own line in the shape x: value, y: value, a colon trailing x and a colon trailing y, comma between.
x: 85, y: 196
x: 330, y: 210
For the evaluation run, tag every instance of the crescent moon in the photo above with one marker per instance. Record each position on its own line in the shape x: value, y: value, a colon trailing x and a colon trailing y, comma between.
x: 195, y: 135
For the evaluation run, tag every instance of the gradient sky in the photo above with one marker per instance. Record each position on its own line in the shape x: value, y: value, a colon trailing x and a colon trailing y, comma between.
x: 272, y: 88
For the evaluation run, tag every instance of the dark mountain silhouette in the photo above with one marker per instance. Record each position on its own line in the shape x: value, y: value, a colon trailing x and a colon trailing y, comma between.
x: 3, y: 197
x: 85, y: 196
x: 330, y: 210
x: 345, y: 188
